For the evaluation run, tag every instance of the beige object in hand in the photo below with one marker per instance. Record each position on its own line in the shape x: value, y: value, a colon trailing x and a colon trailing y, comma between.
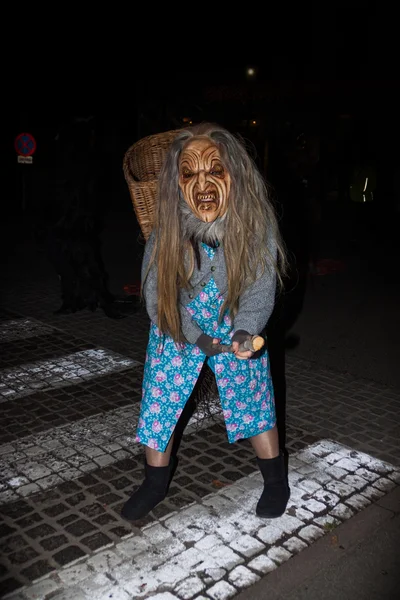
x: 255, y: 343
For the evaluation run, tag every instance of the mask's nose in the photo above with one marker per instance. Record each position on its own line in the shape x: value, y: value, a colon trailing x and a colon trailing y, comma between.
x: 201, y: 180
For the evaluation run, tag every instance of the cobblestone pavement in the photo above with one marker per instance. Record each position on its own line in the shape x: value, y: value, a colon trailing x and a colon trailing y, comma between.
x: 69, y: 392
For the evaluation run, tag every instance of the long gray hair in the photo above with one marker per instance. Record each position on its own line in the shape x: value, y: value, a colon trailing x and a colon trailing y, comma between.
x: 247, y: 228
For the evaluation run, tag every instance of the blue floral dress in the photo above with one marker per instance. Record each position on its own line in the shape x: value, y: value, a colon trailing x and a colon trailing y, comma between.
x: 171, y: 371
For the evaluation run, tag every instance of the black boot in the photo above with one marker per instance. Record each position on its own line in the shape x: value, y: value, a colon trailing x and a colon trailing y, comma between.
x: 151, y: 492
x: 275, y: 496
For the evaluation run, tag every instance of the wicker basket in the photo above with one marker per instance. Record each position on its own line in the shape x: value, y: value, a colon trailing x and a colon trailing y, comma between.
x: 141, y: 165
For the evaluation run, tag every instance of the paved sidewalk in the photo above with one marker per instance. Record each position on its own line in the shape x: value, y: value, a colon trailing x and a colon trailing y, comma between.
x: 70, y: 391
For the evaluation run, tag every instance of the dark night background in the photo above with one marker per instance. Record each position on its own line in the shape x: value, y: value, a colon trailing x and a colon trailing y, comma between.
x: 321, y: 108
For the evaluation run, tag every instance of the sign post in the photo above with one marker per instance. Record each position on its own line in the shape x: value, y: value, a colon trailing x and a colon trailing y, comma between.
x: 25, y: 147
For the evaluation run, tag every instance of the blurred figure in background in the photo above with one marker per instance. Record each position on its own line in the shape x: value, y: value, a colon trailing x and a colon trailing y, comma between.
x: 72, y: 219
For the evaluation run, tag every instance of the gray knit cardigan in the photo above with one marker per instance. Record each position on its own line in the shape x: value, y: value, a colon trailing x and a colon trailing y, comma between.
x: 255, y: 304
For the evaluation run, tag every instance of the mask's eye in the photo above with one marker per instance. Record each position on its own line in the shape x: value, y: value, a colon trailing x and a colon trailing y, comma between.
x: 217, y: 171
x: 186, y: 173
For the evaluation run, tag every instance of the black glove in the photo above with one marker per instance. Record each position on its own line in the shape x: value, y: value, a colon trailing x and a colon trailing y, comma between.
x: 241, y: 336
x: 205, y: 342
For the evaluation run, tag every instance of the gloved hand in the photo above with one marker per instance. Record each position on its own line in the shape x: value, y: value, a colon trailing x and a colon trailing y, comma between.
x: 242, y: 344
x: 205, y: 342
x: 241, y: 336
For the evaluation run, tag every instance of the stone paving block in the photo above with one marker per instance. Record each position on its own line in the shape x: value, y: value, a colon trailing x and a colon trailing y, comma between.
x: 159, y: 554
x: 309, y: 485
x: 294, y: 545
x: 134, y: 546
x: 245, y: 507
x: 242, y: 577
x: 395, y: 476
x: 372, y: 493
x: 347, y: 464
x: 93, y: 587
x: 342, y: 511
x: 378, y: 466
x: 211, y: 574
x: 356, y: 481
x: 187, y: 518
x: 191, y: 557
x: 8, y: 496
x: 104, y: 561
x: 156, y: 533
x: 227, y: 532
x: 358, y: 501
x: 310, y: 533
x: 278, y: 555
x: 224, y: 557
x: 170, y: 574
x: 314, y: 506
x: 24, y: 487
x: 287, y: 524
x: 220, y: 505
x: 270, y: 534
x: 306, y: 470
x: 208, y: 542
x: 367, y: 474
x: 49, y: 482
x: 251, y: 485
x: 221, y: 591
x: 340, y: 488
x: 233, y: 492
x: 327, y: 522
x: 32, y: 469
x: 326, y: 497
x: 262, y: 564
x: 191, y: 535
x: 296, y: 494
x: 295, y: 462
x: 246, y: 545
x: 140, y: 586
x: 189, y: 588
x: 384, y: 484
x: 73, y: 575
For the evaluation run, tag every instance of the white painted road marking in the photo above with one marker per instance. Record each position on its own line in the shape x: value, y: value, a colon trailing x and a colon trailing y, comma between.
x: 16, y: 329
x: 43, y: 460
x: 26, y: 379
x: 219, y: 546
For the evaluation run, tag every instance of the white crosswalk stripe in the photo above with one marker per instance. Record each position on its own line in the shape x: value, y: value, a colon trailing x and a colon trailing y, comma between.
x: 20, y: 381
x: 16, y: 329
x: 41, y: 461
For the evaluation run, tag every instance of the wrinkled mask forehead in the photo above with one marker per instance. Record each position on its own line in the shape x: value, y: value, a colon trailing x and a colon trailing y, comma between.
x: 203, y: 179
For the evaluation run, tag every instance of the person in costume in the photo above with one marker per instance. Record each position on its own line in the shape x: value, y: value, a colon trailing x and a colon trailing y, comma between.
x: 209, y: 276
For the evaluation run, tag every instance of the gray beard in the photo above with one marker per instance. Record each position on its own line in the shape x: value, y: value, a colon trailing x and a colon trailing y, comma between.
x: 199, y: 231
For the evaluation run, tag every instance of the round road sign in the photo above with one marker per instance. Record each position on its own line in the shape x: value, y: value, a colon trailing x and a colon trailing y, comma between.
x: 25, y: 144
